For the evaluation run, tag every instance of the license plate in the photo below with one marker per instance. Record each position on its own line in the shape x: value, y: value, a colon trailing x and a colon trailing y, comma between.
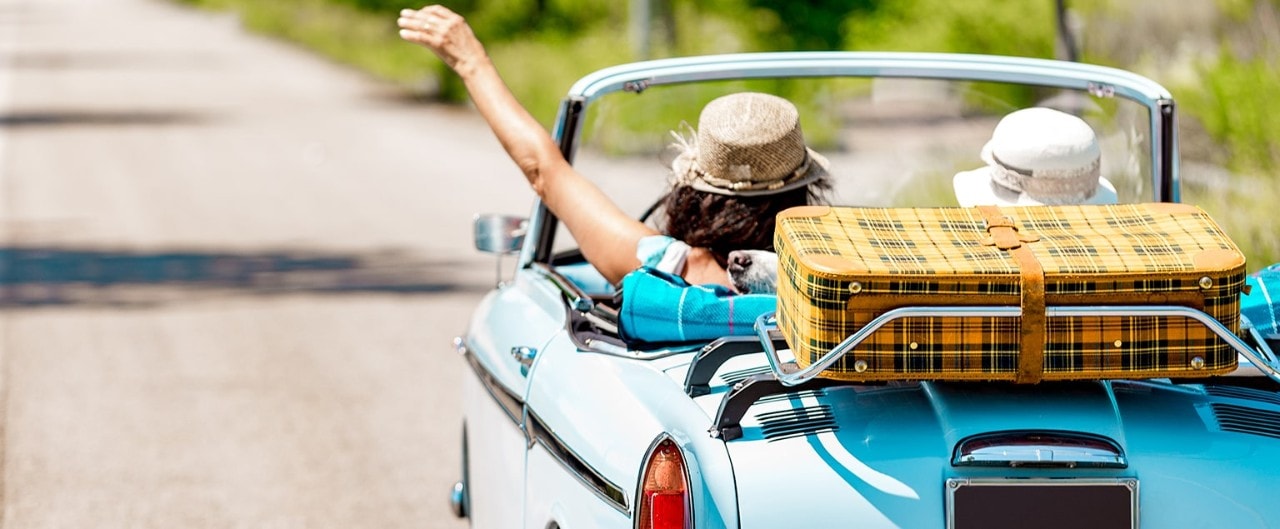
x: 1042, y: 503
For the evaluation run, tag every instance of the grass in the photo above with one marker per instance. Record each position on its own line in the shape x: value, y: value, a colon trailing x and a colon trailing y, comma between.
x: 1245, y: 208
x: 1236, y: 106
x: 1221, y: 61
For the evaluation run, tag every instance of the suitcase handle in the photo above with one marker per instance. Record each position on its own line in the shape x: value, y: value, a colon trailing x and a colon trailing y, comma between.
x: 1261, y: 357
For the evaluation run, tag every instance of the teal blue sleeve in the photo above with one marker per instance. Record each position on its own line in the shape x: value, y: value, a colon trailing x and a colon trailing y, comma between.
x: 651, y: 249
x: 1262, y: 304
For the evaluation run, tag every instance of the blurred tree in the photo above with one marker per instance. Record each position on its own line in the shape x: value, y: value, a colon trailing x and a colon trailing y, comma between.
x: 392, y: 6
x: 1002, y: 28
x: 1066, y: 43
x: 812, y: 25
x: 517, y: 19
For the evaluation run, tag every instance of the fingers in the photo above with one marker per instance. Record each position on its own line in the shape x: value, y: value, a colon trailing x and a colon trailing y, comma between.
x: 443, y: 32
x: 419, y: 22
x: 417, y: 28
x: 425, y: 25
x: 425, y: 18
x: 436, y: 10
x: 415, y: 37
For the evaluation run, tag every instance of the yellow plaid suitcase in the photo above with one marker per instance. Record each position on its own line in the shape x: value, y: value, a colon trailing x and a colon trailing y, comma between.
x: 839, y: 268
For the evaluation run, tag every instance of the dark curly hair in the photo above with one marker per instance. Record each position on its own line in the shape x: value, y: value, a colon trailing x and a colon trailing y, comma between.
x: 724, y: 223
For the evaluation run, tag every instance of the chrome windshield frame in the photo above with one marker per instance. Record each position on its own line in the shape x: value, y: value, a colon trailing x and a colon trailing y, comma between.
x: 637, y: 77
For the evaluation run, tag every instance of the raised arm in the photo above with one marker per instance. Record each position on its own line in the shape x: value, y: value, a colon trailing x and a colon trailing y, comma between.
x: 605, y: 234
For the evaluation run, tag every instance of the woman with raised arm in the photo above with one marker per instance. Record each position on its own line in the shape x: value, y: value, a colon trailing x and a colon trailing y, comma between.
x: 747, y: 162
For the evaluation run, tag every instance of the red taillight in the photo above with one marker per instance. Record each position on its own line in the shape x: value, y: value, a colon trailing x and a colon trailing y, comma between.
x: 664, y: 497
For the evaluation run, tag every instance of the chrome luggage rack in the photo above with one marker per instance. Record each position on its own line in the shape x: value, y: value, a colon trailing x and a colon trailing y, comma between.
x: 786, y: 376
x: 1259, y: 354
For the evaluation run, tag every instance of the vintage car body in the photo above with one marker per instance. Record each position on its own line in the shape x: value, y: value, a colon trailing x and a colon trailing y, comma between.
x: 562, y: 419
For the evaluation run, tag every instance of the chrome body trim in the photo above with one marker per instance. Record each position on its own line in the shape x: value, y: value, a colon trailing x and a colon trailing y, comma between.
x: 577, y: 299
x: 766, y: 325
x: 511, y: 405
x: 456, y: 500
x: 524, y: 355
x: 575, y: 465
x: 535, y: 431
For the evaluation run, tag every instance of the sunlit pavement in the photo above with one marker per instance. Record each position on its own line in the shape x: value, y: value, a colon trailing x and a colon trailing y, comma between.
x: 229, y: 273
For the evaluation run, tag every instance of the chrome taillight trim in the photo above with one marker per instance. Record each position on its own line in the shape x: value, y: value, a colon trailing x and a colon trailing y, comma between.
x: 644, y: 471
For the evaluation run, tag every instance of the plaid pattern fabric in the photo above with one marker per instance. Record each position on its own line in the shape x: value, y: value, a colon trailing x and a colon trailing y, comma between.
x: 839, y: 268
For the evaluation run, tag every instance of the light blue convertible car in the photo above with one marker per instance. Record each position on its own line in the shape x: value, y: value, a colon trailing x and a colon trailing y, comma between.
x: 569, y: 426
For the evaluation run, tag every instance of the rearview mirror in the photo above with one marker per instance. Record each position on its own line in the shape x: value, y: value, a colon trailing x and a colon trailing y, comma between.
x: 500, y: 234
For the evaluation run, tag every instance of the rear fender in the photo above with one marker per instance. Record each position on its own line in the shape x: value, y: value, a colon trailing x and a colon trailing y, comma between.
x: 606, y: 411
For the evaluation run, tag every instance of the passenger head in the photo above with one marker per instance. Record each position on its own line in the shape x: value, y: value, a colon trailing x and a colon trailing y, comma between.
x: 1037, y: 156
x: 746, y: 162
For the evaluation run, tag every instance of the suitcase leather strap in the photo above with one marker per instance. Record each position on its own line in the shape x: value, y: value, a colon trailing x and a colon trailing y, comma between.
x: 1003, y: 234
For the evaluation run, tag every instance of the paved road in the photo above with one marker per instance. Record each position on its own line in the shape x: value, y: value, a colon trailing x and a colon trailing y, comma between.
x: 230, y: 275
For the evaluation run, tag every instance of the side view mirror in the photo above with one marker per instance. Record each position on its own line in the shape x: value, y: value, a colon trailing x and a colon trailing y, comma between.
x: 500, y: 234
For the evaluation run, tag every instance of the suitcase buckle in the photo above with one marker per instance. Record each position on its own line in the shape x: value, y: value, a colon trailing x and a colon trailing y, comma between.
x: 1003, y: 234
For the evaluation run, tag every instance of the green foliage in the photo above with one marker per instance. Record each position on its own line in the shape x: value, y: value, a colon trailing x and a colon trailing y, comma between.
x: 1232, y: 93
x: 978, y: 26
x: 640, y: 124
x: 504, y: 20
x: 1236, y: 105
x: 539, y: 67
x: 1245, y: 208
x: 1236, y: 102
x: 812, y: 25
x: 1238, y: 10
x: 393, y: 6
x: 541, y: 46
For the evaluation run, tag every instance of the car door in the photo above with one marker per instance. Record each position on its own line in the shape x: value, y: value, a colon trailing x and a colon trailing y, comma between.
x: 511, y: 325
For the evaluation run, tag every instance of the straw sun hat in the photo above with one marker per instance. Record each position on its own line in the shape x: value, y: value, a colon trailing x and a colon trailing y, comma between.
x: 1037, y: 156
x: 746, y: 144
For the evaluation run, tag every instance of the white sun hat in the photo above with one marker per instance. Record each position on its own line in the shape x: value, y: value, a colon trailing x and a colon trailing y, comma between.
x: 1037, y: 156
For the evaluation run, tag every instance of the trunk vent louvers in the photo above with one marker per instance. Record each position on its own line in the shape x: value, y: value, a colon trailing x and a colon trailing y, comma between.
x: 810, y: 393
x: 1236, y: 392
x: 733, y: 377
x: 796, y: 422
x: 1244, y: 419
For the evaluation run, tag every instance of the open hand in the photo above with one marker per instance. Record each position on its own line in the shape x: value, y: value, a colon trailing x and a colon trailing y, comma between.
x: 443, y: 32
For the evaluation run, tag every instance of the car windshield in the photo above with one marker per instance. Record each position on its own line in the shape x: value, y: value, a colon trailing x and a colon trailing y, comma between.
x: 890, y: 141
